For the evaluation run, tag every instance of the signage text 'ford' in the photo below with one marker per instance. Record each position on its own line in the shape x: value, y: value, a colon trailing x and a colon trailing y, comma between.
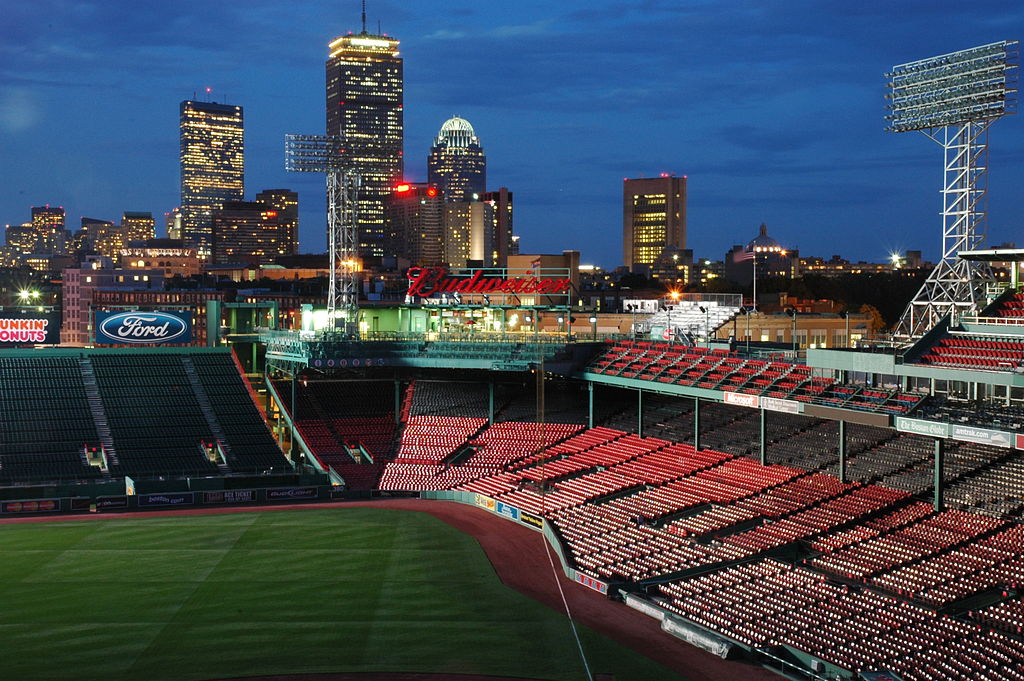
x: 144, y: 327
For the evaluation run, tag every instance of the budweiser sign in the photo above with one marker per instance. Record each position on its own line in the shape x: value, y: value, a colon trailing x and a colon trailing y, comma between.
x: 428, y: 281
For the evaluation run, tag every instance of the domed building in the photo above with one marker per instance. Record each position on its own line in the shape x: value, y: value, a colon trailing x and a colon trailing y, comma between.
x: 457, y: 165
x: 773, y: 259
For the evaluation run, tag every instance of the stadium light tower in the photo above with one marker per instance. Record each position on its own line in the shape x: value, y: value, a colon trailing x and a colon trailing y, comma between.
x: 953, y: 99
x: 323, y: 154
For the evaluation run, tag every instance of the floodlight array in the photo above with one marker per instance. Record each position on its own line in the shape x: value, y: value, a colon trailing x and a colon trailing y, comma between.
x: 960, y: 87
x: 313, y: 153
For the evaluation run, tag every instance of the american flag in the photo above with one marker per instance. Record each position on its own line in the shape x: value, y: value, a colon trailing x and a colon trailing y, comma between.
x: 743, y: 255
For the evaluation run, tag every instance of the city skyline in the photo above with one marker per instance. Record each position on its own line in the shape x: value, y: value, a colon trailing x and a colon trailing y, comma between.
x: 774, y: 114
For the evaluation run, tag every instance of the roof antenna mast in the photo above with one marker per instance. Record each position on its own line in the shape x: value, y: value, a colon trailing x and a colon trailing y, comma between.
x: 364, y: 17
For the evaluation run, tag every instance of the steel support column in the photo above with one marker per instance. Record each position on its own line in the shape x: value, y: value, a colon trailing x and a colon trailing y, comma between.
x: 590, y: 404
x: 939, y: 492
x: 696, y: 423
x: 763, y: 437
x: 842, y: 452
x: 398, y: 401
x: 640, y: 413
x: 490, y: 402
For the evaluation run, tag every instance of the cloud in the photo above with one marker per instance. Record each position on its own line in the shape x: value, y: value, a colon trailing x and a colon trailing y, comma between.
x: 18, y: 110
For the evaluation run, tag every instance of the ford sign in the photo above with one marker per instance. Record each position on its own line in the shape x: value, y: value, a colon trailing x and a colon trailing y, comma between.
x: 143, y: 328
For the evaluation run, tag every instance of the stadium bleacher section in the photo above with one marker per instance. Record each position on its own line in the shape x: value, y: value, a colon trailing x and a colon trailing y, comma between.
x: 860, y: 574
x: 719, y: 369
x: 703, y: 529
x: 976, y: 351
x: 146, y: 414
x: 45, y: 422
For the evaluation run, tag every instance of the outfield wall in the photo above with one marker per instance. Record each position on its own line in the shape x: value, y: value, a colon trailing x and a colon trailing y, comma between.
x: 529, y: 520
x: 670, y: 622
x: 121, y: 500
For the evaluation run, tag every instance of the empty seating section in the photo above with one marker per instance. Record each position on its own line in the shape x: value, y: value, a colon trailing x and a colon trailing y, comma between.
x: 721, y: 370
x: 155, y: 419
x: 1006, y: 616
x: 45, y: 420
x: 873, y: 565
x: 873, y: 578
x: 427, y: 442
x: 992, y: 563
x: 504, y: 444
x: 441, y: 398
x: 923, y: 539
x: 161, y: 410
x: 250, y: 446
x: 769, y: 603
x: 349, y: 425
x: 1011, y: 306
x: 975, y: 351
x: 997, y: 488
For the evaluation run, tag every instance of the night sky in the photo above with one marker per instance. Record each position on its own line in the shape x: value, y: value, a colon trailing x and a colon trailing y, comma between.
x: 773, y: 109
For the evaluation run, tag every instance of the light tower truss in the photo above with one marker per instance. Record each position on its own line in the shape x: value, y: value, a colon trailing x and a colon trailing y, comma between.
x: 323, y: 154
x: 953, y: 99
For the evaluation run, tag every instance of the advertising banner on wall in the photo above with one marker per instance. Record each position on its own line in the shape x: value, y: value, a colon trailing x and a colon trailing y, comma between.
x: 504, y: 509
x: 982, y: 436
x: 230, y: 496
x: 742, y: 399
x: 483, y: 502
x: 103, y: 503
x: 591, y: 583
x: 531, y: 520
x: 921, y: 427
x: 143, y: 327
x: 167, y: 499
x: 29, y: 327
x: 31, y: 506
x: 776, y: 404
x: 289, y: 493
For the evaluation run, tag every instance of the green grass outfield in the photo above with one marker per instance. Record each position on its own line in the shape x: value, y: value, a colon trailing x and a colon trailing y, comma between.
x: 206, y: 597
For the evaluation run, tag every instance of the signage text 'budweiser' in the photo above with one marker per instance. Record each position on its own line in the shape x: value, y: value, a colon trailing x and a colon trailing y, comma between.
x: 428, y: 281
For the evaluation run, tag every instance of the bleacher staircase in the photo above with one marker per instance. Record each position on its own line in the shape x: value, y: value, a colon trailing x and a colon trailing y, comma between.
x: 99, y: 416
x: 204, y: 405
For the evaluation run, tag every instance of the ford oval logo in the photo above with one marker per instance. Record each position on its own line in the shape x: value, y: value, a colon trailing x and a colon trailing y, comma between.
x: 144, y: 327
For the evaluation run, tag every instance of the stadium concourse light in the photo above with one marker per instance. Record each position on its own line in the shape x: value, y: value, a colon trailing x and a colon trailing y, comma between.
x: 953, y: 98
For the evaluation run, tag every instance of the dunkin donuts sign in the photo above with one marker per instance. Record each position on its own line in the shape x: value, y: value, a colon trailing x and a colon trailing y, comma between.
x: 143, y: 328
x: 36, y: 329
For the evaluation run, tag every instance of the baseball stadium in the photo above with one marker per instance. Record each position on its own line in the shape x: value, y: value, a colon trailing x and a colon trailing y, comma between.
x: 443, y: 500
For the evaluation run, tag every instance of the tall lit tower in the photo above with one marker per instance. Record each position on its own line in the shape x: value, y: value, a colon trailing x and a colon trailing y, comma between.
x: 653, y: 218
x: 364, y: 110
x: 953, y: 99
x: 48, y: 222
x: 212, y: 167
x: 457, y: 165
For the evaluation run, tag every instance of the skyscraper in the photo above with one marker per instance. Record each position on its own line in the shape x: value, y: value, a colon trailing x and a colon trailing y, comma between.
x: 364, y: 109
x: 457, y: 165
x: 138, y: 226
x: 502, y: 239
x: 653, y: 218
x: 247, y: 231
x: 212, y: 166
x: 468, y: 234
x: 48, y: 221
x: 286, y: 203
x: 415, y: 224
